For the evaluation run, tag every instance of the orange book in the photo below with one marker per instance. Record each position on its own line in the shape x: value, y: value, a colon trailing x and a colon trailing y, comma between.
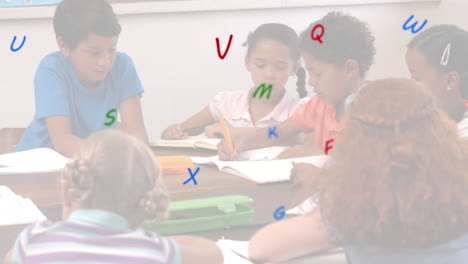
x: 175, y: 164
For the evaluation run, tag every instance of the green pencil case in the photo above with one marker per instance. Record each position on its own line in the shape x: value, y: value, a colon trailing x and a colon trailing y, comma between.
x: 198, y: 215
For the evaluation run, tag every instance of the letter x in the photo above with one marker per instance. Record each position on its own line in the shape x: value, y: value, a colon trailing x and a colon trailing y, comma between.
x: 192, y: 176
x: 272, y: 132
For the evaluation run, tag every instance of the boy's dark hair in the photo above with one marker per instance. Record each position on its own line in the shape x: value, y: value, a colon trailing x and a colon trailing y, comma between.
x: 75, y: 19
x: 432, y: 43
x: 288, y: 37
x: 345, y: 38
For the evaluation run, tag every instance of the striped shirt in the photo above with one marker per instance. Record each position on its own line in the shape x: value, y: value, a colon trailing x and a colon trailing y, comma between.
x: 92, y: 236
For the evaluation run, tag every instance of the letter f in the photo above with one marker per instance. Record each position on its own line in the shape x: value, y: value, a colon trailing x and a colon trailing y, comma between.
x: 327, y: 147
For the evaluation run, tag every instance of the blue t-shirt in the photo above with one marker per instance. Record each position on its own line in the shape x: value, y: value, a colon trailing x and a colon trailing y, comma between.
x: 58, y: 92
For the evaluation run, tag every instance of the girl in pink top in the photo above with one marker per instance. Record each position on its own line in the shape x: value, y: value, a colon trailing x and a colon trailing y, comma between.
x: 272, y: 57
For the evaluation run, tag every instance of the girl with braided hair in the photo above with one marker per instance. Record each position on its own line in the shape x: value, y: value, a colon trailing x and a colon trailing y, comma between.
x: 337, y: 70
x: 110, y: 187
x: 395, y: 191
x: 438, y: 57
x: 273, y: 56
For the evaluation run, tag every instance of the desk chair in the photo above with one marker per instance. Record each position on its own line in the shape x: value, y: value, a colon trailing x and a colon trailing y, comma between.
x: 9, y: 137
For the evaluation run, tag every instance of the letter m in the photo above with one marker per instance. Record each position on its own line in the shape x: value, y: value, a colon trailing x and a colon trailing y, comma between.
x: 264, y: 90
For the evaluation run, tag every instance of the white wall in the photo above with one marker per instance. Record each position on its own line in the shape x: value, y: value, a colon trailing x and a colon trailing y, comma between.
x: 454, y: 12
x: 175, y: 54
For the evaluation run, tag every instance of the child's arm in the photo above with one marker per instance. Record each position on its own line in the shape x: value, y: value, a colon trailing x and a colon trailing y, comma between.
x: 132, y: 118
x: 8, y: 257
x: 190, y: 127
x: 215, y: 131
x: 259, y: 139
x: 301, y: 150
x: 61, y: 135
x: 195, y: 250
x: 239, y: 132
x: 290, y: 238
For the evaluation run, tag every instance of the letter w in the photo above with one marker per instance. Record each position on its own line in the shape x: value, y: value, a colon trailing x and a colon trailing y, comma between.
x: 264, y: 90
x: 413, y: 27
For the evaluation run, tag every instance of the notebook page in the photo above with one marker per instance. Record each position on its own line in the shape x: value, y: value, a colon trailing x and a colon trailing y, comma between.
x: 32, y: 161
x: 5, y: 191
x: 208, y: 143
x: 263, y: 171
x: 271, y: 170
x: 261, y: 153
x: 256, y: 154
x: 333, y: 256
x: 188, y: 142
x: 240, y: 247
x: 16, y: 210
x: 205, y: 160
x: 305, y: 207
x: 192, y: 141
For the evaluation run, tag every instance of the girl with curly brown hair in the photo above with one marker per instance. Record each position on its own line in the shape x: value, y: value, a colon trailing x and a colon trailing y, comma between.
x: 110, y: 187
x: 395, y: 192
x: 337, y: 70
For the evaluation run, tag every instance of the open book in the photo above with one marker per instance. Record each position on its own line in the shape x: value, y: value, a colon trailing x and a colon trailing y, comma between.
x: 32, y: 161
x: 305, y: 207
x: 261, y: 171
x: 260, y: 154
x: 237, y: 252
x: 16, y: 210
x: 191, y: 142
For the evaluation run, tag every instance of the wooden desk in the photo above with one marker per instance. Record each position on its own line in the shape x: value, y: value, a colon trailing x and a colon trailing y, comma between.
x: 44, y: 190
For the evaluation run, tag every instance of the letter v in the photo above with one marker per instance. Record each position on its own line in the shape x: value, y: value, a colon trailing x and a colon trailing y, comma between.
x: 219, y: 51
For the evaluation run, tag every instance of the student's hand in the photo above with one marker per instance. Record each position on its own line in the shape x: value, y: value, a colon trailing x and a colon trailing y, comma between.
x: 302, y: 170
x: 214, y: 131
x: 225, y: 153
x: 174, y: 131
x: 8, y: 257
x: 306, y: 180
x: 298, y: 151
x: 194, y: 250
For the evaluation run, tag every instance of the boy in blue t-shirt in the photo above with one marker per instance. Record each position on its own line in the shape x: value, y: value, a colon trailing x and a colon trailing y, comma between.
x: 81, y: 88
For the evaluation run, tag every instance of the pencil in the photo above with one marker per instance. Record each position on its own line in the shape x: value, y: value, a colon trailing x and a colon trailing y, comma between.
x: 226, y: 133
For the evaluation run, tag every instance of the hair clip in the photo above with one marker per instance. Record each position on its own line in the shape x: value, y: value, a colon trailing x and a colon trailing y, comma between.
x: 248, y: 39
x: 445, y: 56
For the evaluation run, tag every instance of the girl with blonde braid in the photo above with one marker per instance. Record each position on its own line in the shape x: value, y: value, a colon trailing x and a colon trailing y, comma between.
x: 110, y: 187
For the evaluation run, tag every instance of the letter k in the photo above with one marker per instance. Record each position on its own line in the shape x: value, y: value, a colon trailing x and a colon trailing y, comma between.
x: 272, y: 132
